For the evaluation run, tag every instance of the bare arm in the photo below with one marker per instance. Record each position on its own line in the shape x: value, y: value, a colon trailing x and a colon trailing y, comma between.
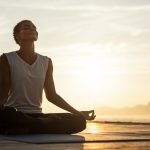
x: 4, y: 79
x: 51, y: 94
x: 53, y: 97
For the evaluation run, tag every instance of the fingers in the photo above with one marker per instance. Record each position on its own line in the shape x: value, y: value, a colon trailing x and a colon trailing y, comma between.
x: 92, y: 112
x: 89, y: 115
x: 92, y: 116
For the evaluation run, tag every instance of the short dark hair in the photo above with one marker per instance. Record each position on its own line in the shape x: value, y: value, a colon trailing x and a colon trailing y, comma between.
x: 17, y: 29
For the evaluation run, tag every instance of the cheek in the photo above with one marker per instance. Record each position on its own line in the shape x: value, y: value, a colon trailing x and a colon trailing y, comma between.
x: 25, y: 35
x: 17, y: 37
x: 21, y: 34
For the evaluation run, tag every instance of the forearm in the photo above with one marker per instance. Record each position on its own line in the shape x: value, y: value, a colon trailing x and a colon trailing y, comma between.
x: 60, y: 102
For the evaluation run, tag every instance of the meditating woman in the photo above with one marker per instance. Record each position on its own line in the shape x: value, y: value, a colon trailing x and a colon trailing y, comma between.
x: 23, y: 76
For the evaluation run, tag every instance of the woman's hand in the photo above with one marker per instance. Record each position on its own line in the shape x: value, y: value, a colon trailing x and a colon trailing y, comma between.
x: 88, y: 115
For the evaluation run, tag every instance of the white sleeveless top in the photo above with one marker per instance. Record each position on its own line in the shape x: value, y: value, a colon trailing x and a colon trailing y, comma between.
x: 27, y: 82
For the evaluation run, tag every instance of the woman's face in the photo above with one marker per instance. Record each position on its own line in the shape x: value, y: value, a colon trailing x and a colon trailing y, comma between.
x: 27, y: 32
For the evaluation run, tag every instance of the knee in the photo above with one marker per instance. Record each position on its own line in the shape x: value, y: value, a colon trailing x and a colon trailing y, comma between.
x: 81, y: 123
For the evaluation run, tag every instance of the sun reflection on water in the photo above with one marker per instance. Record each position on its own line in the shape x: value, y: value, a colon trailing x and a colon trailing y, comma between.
x: 93, y: 128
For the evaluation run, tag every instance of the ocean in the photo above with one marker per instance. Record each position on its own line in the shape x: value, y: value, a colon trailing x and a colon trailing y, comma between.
x: 119, y: 128
x: 117, y: 134
x: 127, y: 118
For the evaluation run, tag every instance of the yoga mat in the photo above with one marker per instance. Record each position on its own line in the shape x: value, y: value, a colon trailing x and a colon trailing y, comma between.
x: 66, y: 138
x: 44, y: 138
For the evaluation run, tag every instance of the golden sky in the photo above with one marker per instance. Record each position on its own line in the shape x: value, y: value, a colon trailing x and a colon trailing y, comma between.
x: 100, y: 48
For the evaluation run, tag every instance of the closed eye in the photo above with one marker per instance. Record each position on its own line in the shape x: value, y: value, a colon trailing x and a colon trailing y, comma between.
x: 28, y: 27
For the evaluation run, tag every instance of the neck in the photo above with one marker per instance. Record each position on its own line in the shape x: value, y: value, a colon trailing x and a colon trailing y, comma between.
x: 27, y: 49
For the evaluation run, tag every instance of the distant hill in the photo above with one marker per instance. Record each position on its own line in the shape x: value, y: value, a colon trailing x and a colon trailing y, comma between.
x: 135, y: 110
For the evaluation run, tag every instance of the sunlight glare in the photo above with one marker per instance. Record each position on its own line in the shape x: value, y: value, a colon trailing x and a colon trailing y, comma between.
x: 94, y: 74
x: 93, y: 128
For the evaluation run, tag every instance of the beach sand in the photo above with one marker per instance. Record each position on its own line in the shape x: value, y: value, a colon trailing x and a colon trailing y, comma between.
x: 99, y: 135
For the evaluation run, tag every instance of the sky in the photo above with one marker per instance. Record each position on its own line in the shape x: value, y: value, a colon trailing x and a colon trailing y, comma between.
x: 100, y: 48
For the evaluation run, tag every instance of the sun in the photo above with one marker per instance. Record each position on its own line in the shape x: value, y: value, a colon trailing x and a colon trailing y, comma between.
x: 95, y: 74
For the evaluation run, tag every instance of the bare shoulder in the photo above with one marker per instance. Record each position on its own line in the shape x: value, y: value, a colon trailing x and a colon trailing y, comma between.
x: 49, y: 60
x: 50, y: 64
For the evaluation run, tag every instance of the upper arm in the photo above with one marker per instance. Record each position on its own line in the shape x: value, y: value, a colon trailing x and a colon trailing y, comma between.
x: 49, y: 86
x: 4, y: 69
x: 4, y: 75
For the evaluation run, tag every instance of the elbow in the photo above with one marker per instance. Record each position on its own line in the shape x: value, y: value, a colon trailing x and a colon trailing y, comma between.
x: 51, y: 97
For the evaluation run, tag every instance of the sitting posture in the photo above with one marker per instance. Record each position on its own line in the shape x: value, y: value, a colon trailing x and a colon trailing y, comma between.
x: 24, y: 74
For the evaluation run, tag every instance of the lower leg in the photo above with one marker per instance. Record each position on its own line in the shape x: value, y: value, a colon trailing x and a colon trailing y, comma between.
x: 63, y: 123
x: 60, y: 123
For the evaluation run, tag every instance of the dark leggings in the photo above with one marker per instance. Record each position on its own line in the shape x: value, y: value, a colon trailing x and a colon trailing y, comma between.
x: 54, y: 123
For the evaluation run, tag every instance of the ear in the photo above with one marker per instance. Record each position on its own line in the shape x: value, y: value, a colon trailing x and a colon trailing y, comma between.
x: 36, y: 36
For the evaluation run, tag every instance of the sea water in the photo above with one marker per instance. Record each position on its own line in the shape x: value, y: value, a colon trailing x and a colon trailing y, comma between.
x: 124, y: 118
x: 120, y: 127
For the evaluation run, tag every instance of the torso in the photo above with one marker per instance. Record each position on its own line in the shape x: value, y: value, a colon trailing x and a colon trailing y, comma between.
x: 30, y: 72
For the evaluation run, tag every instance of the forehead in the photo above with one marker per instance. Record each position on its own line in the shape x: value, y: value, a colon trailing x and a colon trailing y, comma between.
x: 27, y: 24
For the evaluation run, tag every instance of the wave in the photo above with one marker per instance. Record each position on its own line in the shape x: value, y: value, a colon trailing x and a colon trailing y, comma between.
x: 136, y: 119
x: 123, y: 122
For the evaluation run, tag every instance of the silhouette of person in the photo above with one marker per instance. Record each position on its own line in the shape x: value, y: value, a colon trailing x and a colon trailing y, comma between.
x: 24, y: 74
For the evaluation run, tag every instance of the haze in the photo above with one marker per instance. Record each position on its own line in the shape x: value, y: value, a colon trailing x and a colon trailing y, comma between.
x: 100, y: 49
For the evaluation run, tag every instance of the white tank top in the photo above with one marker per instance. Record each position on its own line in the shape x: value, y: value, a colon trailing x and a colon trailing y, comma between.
x: 27, y: 82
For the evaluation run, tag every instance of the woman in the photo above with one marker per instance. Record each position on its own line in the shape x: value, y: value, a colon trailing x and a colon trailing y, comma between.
x: 23, y: 76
